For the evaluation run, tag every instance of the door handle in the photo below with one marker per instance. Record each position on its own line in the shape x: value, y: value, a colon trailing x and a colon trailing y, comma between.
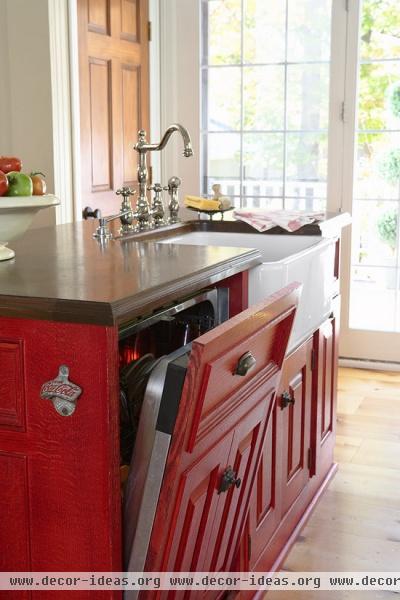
x: 286, y: 399
x: 62, y: 392
x: 245, y: 363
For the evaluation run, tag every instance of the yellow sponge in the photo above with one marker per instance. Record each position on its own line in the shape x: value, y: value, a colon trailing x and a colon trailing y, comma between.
x: 201, y: 203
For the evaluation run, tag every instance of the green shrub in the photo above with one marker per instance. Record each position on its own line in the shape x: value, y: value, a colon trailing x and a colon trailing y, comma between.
x: 390, y: 166
x: 387, y: 228
x: 395, y: 101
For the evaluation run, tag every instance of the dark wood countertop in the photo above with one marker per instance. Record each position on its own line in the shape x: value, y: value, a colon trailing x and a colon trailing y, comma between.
x: 62, y: 274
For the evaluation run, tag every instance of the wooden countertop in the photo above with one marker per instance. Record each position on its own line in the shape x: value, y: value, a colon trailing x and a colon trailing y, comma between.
x: 62, y: 274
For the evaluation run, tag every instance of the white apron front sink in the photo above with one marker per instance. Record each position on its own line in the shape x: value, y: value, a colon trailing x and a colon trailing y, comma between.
x: 286, y: 258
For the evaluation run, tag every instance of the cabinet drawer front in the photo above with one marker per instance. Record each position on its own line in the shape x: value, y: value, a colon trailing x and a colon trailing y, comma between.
x: 213, y: 386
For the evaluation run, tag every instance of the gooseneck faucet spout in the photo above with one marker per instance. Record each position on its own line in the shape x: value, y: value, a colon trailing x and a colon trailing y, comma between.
x: 143, y: 147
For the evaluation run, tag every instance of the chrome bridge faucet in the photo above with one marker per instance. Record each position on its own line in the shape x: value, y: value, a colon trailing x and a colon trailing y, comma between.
x: 143, y: 210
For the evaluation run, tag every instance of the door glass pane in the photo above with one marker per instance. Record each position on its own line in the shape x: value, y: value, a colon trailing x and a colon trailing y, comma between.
x: 373, y: 298
x: 265, y: 74
x: 378, y: 166
x: 374, y: 291
x: 307, y: 97
x: 224, y: 155
x: 309, y: 30
x: 306, y: 157
x: 263, y: 161
x: 374, y: 234
x: 380, y: 26
x: 264, y: 97
x: 264, y: 31
x: 222, y: 110
x: 224, y: 32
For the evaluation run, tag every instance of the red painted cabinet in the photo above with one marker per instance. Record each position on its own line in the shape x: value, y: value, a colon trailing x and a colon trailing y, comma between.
x: 248, y: 452
x: 283, y: 472
x: 219, y: 433
x: 59, y: 494
x: 325, y: 392
x: 297, y: 457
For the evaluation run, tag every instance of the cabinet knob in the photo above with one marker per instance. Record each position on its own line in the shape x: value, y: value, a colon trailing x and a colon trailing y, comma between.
x: 286, y: 399
x: 245, y: 363
x: 228, y: 479
x: 62, y: 392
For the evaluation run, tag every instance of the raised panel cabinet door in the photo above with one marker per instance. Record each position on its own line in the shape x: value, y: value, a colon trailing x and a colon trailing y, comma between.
x: 59, y: 501
x: 113, y: 38
x: 265, y: 502
x: 294, y: 424
x: 230, y: 383
x: 326, y: 341
x: 283, y: 471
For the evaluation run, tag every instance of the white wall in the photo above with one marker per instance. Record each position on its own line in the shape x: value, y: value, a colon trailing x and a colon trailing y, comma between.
x: 180, y: 89
x: 25, y: 91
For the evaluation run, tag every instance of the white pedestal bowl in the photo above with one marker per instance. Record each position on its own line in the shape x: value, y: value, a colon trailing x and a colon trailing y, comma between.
x: 16, y: 214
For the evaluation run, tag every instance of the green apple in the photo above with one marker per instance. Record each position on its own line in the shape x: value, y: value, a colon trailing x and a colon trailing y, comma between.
x: 19, y: 184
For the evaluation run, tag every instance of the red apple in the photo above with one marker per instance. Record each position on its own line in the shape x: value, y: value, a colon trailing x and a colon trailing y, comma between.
x: 3, y: 184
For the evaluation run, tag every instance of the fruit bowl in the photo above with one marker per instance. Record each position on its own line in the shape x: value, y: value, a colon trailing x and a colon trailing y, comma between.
x: 16, y: 214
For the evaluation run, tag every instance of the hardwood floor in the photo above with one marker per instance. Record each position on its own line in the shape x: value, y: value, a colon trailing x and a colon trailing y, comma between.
x: 356, y: 525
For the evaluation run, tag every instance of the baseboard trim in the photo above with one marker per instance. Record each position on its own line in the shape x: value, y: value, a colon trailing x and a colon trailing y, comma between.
x: 374, y: 365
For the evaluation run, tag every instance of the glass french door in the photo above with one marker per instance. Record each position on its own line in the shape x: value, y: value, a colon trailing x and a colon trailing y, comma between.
x: 371, y: 182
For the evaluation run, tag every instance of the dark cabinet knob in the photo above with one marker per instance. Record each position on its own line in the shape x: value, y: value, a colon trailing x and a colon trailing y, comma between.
x: 286, y: 399
x: 245, y: 363
x: 89, y: 213
x: 228, y: 479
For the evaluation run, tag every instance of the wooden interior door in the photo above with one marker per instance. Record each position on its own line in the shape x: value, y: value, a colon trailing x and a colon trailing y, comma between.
x: 113, y: 38
x: 221, y: 423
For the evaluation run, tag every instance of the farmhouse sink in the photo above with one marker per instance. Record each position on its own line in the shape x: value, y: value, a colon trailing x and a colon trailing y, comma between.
x: 286, y: 258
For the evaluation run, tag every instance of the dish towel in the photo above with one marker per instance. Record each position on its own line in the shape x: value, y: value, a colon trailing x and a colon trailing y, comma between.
x: 291, y: 220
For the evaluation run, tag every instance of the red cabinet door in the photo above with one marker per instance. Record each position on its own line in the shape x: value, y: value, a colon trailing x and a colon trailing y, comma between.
x: 283, y: 471
x: 294, y: 424
x: 325, y: 392
x: 59, y: 499
x: 221, y: 423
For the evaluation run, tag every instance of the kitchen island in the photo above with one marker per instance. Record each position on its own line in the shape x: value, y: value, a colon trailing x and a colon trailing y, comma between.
x: 64, y: 301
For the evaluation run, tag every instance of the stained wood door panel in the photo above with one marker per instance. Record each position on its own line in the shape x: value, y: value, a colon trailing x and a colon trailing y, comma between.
x: 114, y: 95
x: 100, y: 124
x: 131, y: 77
x: 12, y: 390
x: 99, y: 16
x: 130, y: 20
x: 240, y: 432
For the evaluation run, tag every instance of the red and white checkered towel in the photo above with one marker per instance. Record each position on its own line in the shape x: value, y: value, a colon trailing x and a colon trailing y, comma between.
x: 291, y: 220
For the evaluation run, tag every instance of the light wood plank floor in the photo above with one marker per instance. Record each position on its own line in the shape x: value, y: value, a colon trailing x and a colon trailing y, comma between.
x: 356, y: 525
